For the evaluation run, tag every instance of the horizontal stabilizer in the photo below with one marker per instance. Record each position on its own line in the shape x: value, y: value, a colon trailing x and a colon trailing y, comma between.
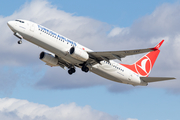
x: 155, y: 79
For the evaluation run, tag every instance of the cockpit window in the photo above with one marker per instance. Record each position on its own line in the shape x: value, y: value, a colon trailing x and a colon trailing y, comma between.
x: 20, y: 21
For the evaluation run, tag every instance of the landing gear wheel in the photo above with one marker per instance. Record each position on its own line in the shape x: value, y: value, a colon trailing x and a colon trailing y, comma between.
x: 85, y: 69
x: 71, y: 71
x: 20, y: 42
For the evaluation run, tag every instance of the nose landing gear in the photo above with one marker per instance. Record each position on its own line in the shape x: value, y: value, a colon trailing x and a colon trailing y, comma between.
x: 19, y: 36
x: 20, y: 42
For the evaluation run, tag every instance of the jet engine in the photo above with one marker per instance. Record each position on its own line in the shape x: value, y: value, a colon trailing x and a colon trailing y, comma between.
x: 48, y: 59
x: 79, y: 54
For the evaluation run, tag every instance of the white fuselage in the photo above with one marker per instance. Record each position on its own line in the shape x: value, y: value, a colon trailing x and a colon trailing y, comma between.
x: 60, y: 46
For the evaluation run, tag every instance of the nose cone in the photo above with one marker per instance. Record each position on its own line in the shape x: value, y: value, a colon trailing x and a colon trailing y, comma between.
x: 11, y: 25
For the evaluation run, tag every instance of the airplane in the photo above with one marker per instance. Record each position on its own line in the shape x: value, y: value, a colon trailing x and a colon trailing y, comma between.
x: 67, y: 53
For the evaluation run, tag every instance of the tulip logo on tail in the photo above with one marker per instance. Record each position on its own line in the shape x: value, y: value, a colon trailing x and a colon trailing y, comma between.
x: 143, y: 67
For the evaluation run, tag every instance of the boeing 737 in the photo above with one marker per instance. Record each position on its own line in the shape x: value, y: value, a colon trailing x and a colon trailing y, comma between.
x: 67, y: 53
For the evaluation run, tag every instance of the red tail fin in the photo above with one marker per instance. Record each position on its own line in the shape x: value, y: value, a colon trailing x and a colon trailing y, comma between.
x: 144, y: 65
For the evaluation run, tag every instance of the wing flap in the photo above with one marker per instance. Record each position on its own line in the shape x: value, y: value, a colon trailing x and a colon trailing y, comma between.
x: 156, y: 79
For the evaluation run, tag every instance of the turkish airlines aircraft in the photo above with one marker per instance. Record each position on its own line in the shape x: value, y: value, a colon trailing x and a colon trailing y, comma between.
x: 70, y: 54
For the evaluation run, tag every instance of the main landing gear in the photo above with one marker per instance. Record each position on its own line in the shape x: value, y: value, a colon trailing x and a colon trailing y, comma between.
x: 85, y: 68
x: 71, y: 71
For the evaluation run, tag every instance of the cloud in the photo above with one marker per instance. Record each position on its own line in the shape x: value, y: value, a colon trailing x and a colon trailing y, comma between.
x: 16, y: 109
x: 131, y: 119
x: 118, y: 31
x: 147, y: 31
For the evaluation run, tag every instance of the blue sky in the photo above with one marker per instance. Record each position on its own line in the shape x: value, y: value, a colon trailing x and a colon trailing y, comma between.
x: 25, y: 77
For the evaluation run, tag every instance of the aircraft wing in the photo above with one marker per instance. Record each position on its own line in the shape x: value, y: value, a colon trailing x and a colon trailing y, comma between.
x: 99, y: 56
x: 110, y: 55
x: 155, y: 79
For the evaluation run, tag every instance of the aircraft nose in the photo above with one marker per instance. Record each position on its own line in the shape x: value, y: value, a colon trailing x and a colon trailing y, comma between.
x: 10, y: 24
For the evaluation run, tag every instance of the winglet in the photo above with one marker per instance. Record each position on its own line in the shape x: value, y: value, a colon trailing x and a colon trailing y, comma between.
x: 158, y: 46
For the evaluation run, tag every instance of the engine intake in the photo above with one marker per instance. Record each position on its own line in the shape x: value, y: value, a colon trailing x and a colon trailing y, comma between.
x: 48, y: 59
x: 79, y: 54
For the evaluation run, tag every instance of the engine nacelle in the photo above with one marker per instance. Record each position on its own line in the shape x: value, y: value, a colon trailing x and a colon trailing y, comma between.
x: 79, y: 54
x: 48, y: 59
